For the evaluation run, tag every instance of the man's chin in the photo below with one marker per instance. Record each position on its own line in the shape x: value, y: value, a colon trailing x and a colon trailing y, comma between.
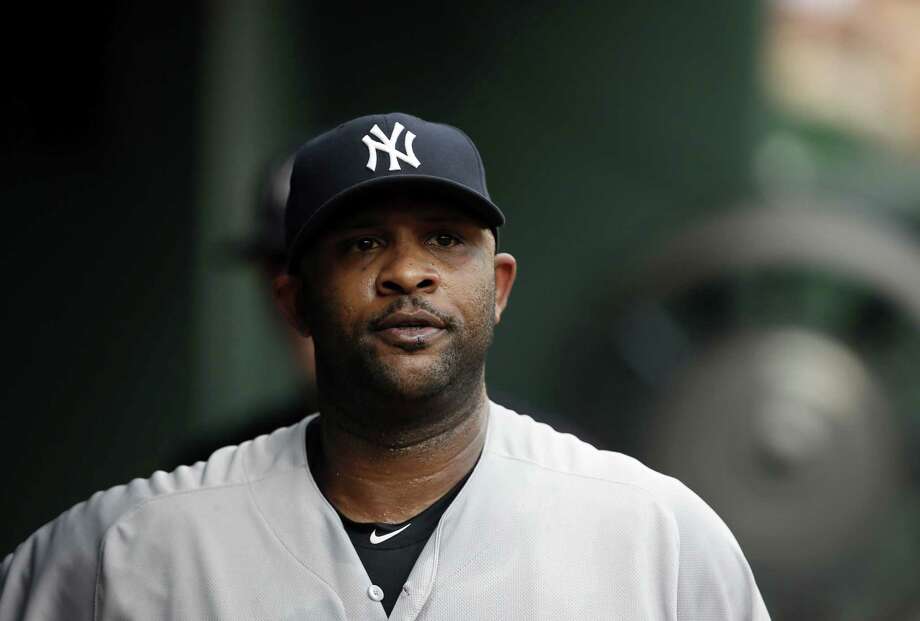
x: 410, y: 347
x: 411, y: 377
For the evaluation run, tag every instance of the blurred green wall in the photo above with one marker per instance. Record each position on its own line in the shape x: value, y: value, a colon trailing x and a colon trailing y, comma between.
x: 99, y: 167
x: 134, y: 154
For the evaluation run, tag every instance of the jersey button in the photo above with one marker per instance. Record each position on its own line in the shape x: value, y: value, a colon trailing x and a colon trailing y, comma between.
x: 375, y: 593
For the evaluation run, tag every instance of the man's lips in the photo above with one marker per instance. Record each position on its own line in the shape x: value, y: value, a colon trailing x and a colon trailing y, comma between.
x: 414, y: 318
x: 410, y: 328
x: 414, y: 336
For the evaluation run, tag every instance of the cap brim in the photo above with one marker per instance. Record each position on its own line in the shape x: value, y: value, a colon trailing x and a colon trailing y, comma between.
x: 459, y: 195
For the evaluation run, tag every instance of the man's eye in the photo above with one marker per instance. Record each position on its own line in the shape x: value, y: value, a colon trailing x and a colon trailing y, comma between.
x: 445, y: 240
x: 363, y: 244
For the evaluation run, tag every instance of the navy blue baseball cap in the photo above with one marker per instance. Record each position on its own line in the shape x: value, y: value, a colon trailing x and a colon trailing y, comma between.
x: 382, y: 151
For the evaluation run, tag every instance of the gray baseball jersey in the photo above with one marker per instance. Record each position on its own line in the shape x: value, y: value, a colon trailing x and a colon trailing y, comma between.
x: 546, y: 527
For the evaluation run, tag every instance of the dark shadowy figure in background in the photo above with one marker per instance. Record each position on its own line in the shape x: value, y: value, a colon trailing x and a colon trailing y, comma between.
x: 265, y: 250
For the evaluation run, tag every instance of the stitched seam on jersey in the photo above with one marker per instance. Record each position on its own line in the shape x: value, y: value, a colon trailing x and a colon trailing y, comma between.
x: 98, y: 576
x: 433, y: 575
x: 476, y: 474
x: 457, y: 501
x: 653, y: 497
x: 129, y: 514
x: 677, y: 586
x: 275, y: 534
x: 578, y: 474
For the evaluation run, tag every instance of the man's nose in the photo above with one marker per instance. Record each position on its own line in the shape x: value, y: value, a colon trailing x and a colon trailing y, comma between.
x: 407, y: 271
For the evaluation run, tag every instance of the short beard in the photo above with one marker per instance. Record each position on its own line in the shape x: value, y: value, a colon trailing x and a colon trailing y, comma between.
x: 378, y: 398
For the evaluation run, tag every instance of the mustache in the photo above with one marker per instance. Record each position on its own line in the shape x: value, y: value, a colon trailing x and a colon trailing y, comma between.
x: 411, y: 302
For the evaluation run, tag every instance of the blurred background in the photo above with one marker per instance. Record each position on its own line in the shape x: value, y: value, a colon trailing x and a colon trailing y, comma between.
x: 715, y: 208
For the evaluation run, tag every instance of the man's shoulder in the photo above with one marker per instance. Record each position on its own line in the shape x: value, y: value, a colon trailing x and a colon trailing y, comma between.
x: 714, y: 579
x: 75, y: 538
x: 520, y: 438
x: 225, y: 468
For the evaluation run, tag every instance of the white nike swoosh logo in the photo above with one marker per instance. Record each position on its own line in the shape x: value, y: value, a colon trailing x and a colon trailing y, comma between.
x: 375, y: 539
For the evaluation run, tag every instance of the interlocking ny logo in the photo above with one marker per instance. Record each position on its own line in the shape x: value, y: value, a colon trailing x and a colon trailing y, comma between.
x: 388, y: 146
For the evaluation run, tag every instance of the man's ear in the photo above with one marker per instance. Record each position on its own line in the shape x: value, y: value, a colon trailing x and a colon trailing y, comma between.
x: 505, y: 272
x: 287, y: 291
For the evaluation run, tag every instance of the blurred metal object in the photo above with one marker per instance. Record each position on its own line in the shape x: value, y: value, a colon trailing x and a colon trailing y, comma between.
x: 768, y: 359
x: 787, y: 434
x: 881, y: 256
x: 781, y: 425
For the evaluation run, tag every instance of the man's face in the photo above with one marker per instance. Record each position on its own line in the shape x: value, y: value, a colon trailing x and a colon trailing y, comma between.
x: 402, y: 297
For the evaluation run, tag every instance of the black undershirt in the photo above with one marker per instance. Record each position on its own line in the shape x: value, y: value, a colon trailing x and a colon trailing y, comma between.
x: 387, y: 562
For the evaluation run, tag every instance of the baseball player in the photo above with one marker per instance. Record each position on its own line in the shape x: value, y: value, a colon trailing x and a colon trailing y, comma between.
x: 409, y: 495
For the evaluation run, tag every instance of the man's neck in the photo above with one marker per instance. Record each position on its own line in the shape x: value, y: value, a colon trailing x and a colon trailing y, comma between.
x: 376, y: 480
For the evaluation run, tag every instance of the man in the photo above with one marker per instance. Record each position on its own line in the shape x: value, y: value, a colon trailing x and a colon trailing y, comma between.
x: 265, y: 250
x: 411, y: 494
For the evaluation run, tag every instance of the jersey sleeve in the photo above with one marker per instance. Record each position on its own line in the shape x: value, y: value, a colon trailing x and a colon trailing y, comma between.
x: 715, y: 582
x: 52, y: 575
x: 55, y: 574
